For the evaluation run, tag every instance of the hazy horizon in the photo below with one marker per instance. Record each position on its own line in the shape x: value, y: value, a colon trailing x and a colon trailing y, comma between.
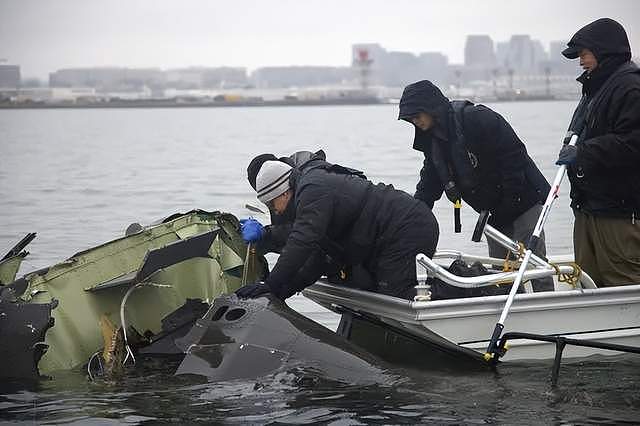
x: 43, y: 36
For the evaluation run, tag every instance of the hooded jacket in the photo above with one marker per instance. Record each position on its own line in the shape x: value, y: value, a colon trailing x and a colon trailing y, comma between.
x: 605, y: 179
x: 476, y: 149
x: 340, y: 215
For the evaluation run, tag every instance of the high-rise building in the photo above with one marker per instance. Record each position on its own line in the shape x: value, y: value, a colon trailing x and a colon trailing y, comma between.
x: 521, y: 55
x: 397, y: 69
x: 502, y: 53
x: 478, y: 51
x: 9, y: 77
x: 558, y: 63
x: 555, y: 50
x: 539, y: 54
x: 433, y: 66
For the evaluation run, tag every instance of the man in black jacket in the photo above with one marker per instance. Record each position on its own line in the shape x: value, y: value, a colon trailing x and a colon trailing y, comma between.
x: 472, y: 153
x: 271, y: 238
x: 340, y: 214
x: 604, y: 166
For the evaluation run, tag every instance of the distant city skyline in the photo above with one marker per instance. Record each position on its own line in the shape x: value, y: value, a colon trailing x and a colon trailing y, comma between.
x: 43, y: 36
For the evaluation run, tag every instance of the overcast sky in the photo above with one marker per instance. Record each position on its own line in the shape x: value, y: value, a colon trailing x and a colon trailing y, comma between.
x: 44, y: 35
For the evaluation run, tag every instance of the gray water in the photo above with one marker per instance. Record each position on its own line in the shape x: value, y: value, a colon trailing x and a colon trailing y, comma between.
x: 80, y: 177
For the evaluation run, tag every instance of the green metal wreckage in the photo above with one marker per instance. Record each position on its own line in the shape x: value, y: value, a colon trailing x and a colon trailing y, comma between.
x: 66, y: 314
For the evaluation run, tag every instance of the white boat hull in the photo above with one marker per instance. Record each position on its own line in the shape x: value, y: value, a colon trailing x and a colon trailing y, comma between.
x: 607, y: 315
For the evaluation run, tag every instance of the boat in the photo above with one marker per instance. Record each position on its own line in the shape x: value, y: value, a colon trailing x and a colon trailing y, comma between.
x: 575, y: 320
x: 122, y: 295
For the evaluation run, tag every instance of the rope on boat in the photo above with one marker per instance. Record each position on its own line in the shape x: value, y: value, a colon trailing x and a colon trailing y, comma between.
x: 511, y: 265
x: 572, y: 278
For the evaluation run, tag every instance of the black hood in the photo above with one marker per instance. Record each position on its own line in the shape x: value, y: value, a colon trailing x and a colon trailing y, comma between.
x: 603, y: 37
x: 424, y: 96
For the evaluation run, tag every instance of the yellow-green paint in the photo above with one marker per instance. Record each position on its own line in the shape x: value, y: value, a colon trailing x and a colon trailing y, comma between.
x: 9, y: 268
x: 76, y: 334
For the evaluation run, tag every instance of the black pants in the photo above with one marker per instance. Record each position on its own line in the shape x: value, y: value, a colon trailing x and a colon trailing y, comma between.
x: 394, y: 265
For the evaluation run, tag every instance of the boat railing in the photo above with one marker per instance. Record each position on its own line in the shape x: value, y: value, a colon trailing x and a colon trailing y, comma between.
x: 434, y: 270
x: 539, y: 268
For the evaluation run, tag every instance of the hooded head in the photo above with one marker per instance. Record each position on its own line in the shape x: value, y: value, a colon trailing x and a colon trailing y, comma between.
x: 423, y: 96
x: 603, y: 37
x: 272, y: 180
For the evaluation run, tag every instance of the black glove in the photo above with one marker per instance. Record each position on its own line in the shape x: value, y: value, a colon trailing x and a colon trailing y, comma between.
x: 251, y: 291
x: 567, y: 155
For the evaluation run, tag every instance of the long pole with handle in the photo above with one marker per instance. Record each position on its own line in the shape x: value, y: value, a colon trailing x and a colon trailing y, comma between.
x: 577, y: 124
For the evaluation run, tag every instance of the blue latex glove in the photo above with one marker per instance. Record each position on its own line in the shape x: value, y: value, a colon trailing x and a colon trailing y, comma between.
x: 567, y: 155
x: 252, y: 230
x: 250, y: 291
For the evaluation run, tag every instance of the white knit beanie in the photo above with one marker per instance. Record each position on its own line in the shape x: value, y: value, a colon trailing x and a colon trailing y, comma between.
x: 272, y: 180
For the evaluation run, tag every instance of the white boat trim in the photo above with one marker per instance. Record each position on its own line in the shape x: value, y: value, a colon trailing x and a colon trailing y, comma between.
x: 468, y: 322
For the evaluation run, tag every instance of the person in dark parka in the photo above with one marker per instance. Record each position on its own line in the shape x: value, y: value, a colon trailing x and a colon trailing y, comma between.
x: 472, y: 153
x: 604, y: 166
x: 349, y: 219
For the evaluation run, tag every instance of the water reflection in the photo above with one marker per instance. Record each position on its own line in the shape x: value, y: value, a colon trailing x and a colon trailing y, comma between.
x: 593, y: 390
x: 79, y: 177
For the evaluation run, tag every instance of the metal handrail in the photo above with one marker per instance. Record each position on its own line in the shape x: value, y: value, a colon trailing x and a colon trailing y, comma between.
x: 436, y: 271
x: 539, y: 263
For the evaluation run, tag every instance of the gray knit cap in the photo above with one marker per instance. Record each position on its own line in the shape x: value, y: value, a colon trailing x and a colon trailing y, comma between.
x: 272, y: 180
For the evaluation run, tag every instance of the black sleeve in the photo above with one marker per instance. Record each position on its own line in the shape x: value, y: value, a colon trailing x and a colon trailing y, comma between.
x: 500, y: 143
x: 621, y: 146
x: 313, y: 268
x: 314, y: 210
x: 430, y: 187
x: 275, y: 237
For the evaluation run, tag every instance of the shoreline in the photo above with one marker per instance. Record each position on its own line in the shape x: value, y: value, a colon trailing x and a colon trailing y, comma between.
x: 169, y: 103
x: 172, y: 103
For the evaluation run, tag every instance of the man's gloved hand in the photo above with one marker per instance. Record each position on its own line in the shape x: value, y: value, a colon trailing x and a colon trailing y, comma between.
x: 567, y: 155
x: 250, y: 291
x: 252, y: 230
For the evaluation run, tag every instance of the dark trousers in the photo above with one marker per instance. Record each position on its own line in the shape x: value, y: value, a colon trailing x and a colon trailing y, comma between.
x: 393, y: 267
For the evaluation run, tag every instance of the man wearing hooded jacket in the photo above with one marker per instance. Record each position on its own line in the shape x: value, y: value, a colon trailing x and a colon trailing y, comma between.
x: 472, y: 153
x: 342, y: 215
x: 604, y: 165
